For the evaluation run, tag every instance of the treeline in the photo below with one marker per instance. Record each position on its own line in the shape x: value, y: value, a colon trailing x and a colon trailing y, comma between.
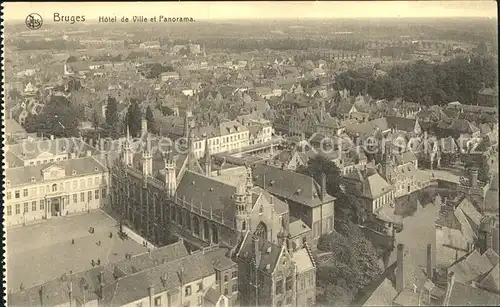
x: 456, y: 80
x: 57, y: 44
x: 154, y: 71
x: 247, y: 44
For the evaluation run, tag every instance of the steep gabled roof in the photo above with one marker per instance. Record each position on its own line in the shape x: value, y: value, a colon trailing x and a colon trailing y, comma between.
x: 289, y: 185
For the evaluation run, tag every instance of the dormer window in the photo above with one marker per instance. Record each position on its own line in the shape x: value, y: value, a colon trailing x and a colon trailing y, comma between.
x: 95, y: 169
x: 73, y: 172
x: 8, y: 182
x: 32, y: 179
x: 272, y: 182
x: 298, y: 191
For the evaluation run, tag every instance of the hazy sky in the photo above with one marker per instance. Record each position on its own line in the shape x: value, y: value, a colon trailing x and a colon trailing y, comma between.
x: 255, y: 10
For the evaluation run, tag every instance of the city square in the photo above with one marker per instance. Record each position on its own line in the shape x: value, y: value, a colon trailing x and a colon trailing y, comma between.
x: 44, y: 251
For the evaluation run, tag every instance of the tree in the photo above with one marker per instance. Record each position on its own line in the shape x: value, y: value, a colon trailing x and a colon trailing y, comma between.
x: 58, y: 118
x: 134, y: 118
x: 438, y: 96
x: 347, y: 206
x: 14, y: 94
x: 150, y: 119
x: 96, y: 119
x: 74, y: 85
x: 112, y: 121
x: 167, y: 111
x: 352, y: 265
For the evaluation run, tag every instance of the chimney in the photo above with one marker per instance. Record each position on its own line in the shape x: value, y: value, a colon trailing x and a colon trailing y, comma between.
x: 151, y: 289
x: 101, y: 282
x: 256, y: 250
x: 323, y: 187
x: 449, y: 287
x: 51, y: 136
x: 41, y: 293
x: 399, y: 268
x: 473, y: 177
x: 430, y: 263
x: 70, y: 293
x: 144, y: 126
x: 89, y: 153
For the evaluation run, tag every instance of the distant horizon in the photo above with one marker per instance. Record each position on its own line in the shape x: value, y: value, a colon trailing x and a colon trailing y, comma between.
x: 227, y: 10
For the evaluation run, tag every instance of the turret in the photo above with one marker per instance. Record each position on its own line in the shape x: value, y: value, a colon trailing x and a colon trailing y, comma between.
x: 127, y: 150
x: 147, y: 163
x: 240, y: 201
x: 170, y: 174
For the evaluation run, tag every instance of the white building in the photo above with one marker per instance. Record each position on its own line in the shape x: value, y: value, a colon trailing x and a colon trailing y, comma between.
x: 57, y: 188
x: 229, y: 136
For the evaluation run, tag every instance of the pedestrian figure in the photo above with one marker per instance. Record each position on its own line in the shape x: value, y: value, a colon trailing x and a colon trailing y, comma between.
x: 72, y: 241
x: 98, y: 261
x: 93, y: 263
x: 21, y: 287
x: 110, y: 234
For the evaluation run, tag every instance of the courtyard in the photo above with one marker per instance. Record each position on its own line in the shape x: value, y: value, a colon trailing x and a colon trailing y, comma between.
x: 44, y: 251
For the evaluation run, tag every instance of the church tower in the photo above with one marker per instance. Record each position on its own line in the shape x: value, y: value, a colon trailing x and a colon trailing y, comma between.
x: 240, y: 200
x: 170, y: 174
x: 386, y: 163
x: 127, y: 150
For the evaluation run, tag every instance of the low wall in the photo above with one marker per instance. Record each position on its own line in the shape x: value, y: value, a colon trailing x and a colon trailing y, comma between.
x: 137, y: 238
x: 377, y: 238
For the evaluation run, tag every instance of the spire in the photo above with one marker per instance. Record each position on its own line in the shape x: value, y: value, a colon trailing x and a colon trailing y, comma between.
x: 128, y: 133
x: 249, y: 179
x: 186, y: 125
x: 208, y: 159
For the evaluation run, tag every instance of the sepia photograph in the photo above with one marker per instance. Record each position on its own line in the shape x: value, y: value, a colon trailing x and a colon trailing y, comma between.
x: 250, y: 154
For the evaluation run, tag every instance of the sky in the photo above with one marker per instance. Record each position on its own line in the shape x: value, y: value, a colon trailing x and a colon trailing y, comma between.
x: 256, y: 10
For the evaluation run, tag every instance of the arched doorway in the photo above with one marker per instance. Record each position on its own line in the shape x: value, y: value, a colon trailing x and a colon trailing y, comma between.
x: 261, y: 231
x: 196, y: 225
x: 215, y: 234
x: 206, y: 231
